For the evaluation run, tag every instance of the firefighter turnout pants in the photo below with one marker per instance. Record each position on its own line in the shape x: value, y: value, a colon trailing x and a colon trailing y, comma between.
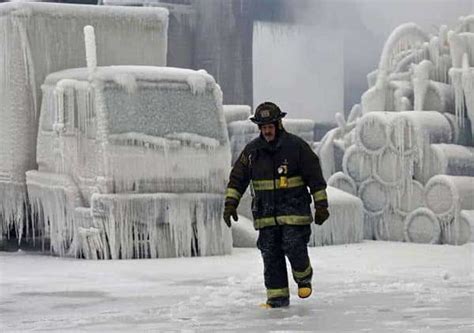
x: 276, y: 242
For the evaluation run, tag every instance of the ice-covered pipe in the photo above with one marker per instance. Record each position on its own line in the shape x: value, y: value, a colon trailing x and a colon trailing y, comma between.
x: 468, y: 88
x: 375, y: 196
x: 449, y: 159
x: 421, y: 78
x: 296, y: 126
x: 236, y: 112
x: 345, y: 225
x: 411, y: 198
x: 343, y: 182
x: 407, y: 34
x: 466, y: 23
x: 357, y: 164
x: 422, y: 226
x: 91, y: 51
x: 411, y: 131
x: 372, y: 131
x: 392, y: 168
x: 356, y: 112
x: 447, y: 195
x: 242, y: 127
x: 325, y: 151
x: 459, y: 231
x: 390, y: 227
x: 461, y: 130
x: 439, y: 97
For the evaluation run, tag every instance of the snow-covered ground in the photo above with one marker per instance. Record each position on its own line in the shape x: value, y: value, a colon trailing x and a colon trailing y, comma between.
x: 372, y: 286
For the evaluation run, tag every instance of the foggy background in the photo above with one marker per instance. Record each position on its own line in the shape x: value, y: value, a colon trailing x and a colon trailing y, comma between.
x: 319, y: 67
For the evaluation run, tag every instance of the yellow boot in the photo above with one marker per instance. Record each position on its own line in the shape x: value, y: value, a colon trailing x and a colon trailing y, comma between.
x: 304, y: 290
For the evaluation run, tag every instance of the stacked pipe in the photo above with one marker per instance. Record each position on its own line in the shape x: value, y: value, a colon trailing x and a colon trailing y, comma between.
x: 389, y: 151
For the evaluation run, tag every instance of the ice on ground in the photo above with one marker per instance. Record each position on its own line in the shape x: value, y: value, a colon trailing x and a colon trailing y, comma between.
x: 405, y: 286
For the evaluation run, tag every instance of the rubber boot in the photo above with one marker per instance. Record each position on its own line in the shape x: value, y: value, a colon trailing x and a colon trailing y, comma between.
x: 304, y: 290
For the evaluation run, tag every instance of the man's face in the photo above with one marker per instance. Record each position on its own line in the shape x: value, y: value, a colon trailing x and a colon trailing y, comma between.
x: 268, y: 132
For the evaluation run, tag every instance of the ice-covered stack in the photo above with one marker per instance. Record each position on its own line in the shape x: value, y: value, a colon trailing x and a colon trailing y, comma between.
x: 411, y: 159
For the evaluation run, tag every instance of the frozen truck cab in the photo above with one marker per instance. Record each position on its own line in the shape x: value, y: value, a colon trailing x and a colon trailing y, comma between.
x: 132, y: 163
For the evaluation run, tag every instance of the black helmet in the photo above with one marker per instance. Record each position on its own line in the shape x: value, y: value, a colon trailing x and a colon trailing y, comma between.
x: 267, y: 113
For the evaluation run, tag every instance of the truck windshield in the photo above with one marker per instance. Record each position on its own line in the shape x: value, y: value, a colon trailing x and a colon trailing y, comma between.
x: 162, y: 109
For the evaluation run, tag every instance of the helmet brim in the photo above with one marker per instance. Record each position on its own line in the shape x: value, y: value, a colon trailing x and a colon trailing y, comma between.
x: 269, y: 121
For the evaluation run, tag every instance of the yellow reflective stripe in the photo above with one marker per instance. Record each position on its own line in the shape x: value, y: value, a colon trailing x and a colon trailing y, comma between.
x: 320, y: 195
x: 233, y: 193
x: 285, y: 219
x: 269, y: 184
x: 295, y: 219
x: 282, y: 292
x: 302, y: 275
x: 264, y: 222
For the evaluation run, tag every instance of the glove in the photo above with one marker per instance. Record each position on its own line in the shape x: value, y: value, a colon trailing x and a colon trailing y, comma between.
x: 230, y: 209
x: 321, y: 215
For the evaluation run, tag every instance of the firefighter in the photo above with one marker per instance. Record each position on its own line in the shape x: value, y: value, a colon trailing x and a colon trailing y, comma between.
x: 280, y: 167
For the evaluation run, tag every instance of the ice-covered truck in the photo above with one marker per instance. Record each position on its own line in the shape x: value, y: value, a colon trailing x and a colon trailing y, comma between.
x: 124, y: 161
x: 37, y: 39
x: 132, y: 162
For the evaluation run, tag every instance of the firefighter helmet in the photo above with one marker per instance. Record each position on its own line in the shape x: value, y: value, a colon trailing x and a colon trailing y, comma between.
x: 267, y: 113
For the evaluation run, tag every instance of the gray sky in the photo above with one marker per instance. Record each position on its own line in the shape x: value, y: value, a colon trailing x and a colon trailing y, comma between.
x: 320, y: 67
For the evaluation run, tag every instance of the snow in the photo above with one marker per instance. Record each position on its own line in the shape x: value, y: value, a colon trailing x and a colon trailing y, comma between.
x: 369, y: 286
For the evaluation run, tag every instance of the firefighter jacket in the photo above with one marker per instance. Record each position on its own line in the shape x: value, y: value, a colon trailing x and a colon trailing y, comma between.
x: 279, y: 173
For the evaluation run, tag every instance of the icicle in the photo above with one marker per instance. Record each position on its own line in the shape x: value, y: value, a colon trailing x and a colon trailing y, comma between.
x: 420, y: 79
x: 163, y: 225
x: 457, y: 82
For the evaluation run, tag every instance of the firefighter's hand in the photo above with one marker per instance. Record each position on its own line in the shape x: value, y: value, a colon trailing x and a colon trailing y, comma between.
x: 321, y: 215
x: 230, y: 209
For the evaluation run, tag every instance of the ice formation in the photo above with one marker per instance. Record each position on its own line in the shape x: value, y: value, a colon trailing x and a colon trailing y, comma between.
x: 236, y: 112
x: 37, y: 39
x: 243, y: 233
x: 415, y: 126
x: 342, y: 182
x: 422, y: 226
x: 346, y: 223
x: 150, y: 163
